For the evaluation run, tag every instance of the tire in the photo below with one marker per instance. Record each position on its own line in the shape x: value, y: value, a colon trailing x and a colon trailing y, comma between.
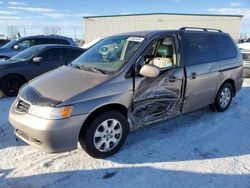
x: 102, y: 140
x: 223, y: 98
x: 10, y: 85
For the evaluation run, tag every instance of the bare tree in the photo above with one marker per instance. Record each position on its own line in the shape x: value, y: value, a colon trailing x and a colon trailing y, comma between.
x: 12, y: 31
x: 51, y: 30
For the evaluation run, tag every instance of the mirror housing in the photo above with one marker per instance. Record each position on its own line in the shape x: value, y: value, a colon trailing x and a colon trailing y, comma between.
x: 16, y: 47
x: 150, y: 71
x: 37, y: 59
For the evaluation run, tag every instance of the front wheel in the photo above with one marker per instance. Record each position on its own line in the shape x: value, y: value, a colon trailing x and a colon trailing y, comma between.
x: 11, y: 84
x: 223, y: 98
x: 105, y: 135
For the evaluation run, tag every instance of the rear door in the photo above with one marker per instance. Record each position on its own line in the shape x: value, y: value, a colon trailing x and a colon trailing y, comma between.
x: 199, y: 56
x: 160, y: 98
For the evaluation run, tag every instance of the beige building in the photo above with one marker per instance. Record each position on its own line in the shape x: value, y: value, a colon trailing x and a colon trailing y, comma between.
x: 101, y: 26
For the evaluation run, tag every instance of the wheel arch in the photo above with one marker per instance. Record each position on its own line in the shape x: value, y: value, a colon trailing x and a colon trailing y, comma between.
x: 115, y: 107
x: 232, y: 82
x: 12, y: 74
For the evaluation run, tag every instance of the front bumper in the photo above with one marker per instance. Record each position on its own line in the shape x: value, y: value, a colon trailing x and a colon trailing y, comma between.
x: 50, y: 136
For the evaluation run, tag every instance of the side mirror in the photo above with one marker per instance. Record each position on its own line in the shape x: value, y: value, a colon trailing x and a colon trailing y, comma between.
x: 16, y: 47
x: 37, y: 59
x: 150, y: 71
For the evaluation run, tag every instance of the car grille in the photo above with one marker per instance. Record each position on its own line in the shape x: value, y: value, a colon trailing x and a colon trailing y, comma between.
x: 22, y: 106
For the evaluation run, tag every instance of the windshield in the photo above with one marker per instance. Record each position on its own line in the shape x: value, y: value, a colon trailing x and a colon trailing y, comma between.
x: 26, y: 54
x: 108, y: 55
x: 10, y: 44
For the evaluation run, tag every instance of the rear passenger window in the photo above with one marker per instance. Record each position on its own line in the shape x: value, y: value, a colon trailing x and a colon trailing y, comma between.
x: 51, y: 54
x: 198, y: 48
x: 64, y: 42
x: 70, y: 53
x: 51, y: 41
x: 58, y: 41
x: 224, y: 46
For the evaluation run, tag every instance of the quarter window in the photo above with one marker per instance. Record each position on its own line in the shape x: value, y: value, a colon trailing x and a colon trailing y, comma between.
x: 225, y: 48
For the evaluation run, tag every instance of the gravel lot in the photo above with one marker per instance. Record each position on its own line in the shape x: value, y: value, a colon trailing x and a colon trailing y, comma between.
x: 199, y: 149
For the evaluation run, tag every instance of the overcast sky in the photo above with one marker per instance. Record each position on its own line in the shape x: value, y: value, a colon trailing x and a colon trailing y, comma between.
x: 34, y: 15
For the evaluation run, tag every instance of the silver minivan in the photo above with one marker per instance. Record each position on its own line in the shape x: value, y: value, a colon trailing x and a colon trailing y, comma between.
x: 124, y: 82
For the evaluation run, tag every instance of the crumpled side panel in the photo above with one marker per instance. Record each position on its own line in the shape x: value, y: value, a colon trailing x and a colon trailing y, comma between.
x: 157, y: 99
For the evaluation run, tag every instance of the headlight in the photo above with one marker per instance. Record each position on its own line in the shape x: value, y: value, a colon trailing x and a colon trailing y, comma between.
x: 50, y: 112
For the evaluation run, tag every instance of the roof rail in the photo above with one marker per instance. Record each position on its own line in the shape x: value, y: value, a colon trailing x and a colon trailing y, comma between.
x: 204, y: 29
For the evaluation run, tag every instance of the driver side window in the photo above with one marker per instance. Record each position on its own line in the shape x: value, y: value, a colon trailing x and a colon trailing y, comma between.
x: 23, y: 45
x: 161, y: 54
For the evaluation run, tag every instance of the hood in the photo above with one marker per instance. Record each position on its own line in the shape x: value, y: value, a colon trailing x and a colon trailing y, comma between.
x: 7, y: 62
x: 66, y: 82
x: 244, y: 46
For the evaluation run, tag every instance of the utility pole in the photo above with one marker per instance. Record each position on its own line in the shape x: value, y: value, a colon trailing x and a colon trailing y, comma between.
x: 75, y: 31
x: 24, y: 32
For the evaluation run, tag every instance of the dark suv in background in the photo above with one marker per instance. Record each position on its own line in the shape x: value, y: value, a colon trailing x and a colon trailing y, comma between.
x: 16, y: 46
x: 32, y: 62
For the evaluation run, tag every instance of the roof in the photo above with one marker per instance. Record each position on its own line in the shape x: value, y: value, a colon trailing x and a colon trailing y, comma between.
x: 139, y: 33
x: 181, y: 14
x: 54, y: 45
x: 144, y: 33
x: 161, y: 32
x: 47, y: 36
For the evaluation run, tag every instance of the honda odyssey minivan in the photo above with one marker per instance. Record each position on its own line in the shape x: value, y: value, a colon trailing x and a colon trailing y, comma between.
x: 124, y: 82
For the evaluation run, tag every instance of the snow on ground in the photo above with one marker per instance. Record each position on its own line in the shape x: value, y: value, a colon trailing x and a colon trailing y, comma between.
x: 199, y: 149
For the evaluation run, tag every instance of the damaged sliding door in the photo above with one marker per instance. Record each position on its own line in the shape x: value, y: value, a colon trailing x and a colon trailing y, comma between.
x: 158, y: 99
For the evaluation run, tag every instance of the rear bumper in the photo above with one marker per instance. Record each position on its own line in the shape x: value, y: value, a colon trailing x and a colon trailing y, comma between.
x: 47, y: 135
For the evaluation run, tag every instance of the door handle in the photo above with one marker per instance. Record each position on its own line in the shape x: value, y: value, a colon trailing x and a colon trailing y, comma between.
x: 193, y: 75
x: 172, y: 79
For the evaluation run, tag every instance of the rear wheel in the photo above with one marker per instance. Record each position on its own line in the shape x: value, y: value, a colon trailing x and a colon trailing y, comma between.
x: 10, y: 85
x: 223, y: 98
x: 105, y: 135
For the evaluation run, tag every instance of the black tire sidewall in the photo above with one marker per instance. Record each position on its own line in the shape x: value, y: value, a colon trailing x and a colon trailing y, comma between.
x: 87, y: 143
x: 217, y: 100
x: 5, y: 81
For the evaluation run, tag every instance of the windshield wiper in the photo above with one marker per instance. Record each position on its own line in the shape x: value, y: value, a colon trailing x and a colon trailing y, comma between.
x: 98, y: 70
x: 88, y: 68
